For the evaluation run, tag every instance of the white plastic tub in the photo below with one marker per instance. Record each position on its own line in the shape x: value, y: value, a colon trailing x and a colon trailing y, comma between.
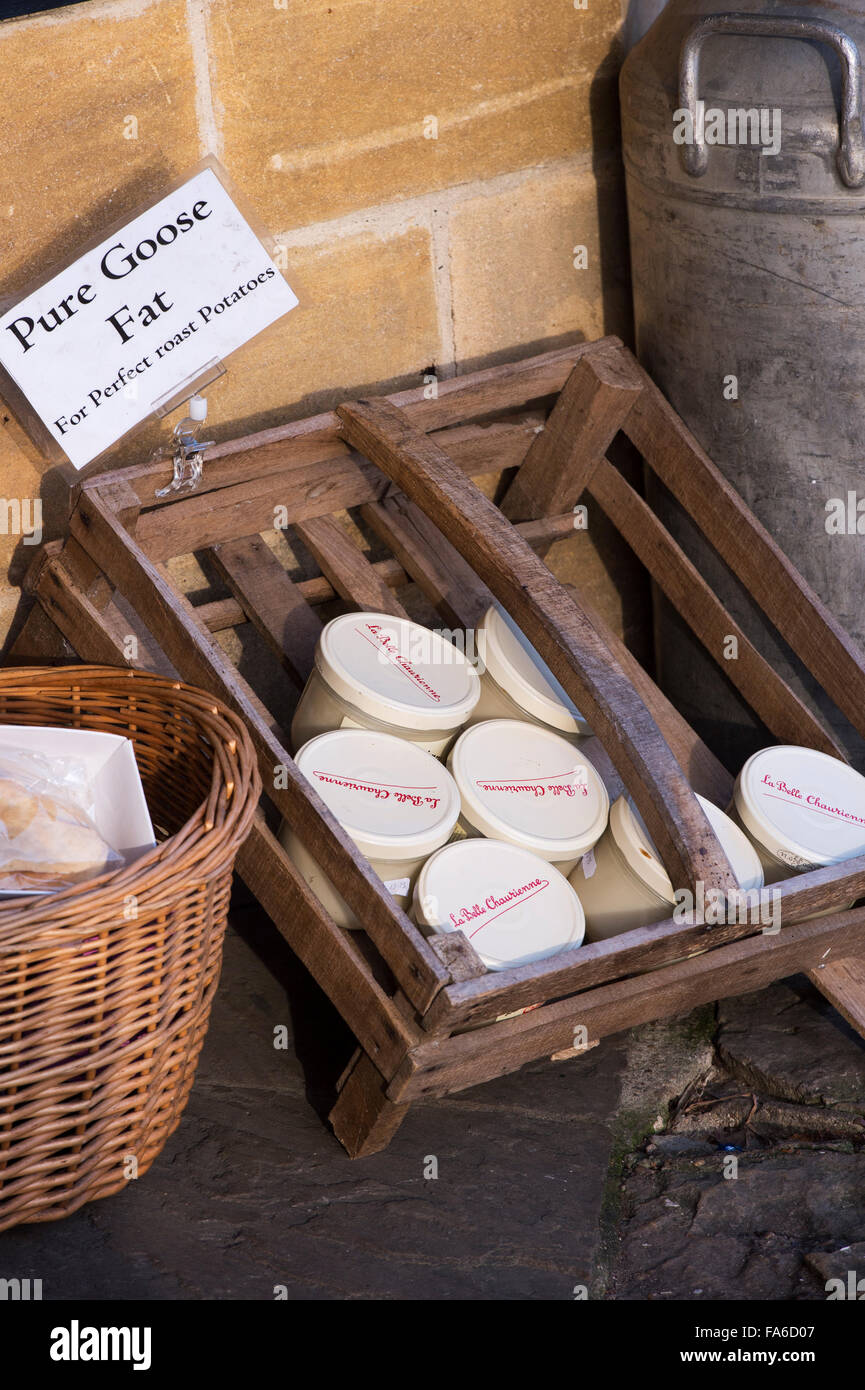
x: 512, y: 906
x: 389, y: 675
x: 517, y: 684
x: 801, y: 810
x: 623, y: 884
x: 397, y: 802
x: 523, y: 784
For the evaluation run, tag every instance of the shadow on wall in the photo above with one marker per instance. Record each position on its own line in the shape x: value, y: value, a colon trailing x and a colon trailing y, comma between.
x: 615, y: 268
x: 20, y: 9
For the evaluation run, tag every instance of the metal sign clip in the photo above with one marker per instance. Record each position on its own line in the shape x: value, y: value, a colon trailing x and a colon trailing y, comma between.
x: 188, y: 451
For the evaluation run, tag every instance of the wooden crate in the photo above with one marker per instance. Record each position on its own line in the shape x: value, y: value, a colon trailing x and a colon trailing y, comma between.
x: 424, y: 1012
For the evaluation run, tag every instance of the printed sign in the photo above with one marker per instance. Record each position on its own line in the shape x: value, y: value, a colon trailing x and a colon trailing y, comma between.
x: 95, y: 349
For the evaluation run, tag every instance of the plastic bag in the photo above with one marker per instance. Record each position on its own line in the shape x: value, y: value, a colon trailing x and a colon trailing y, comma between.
x: 48, y: 838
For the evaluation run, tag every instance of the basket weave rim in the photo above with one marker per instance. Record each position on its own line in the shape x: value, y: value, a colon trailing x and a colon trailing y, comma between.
x: 198, y: 849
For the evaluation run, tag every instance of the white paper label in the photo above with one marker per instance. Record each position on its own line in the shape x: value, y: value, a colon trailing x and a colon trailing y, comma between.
x: 517, y: 1013
x: 398, y: 886
x: 589, y: 864
x: 794, y: 860
x: 143, y: 314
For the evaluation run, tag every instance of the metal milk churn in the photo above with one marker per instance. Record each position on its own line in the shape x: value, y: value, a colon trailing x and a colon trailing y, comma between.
x: 745, y: 165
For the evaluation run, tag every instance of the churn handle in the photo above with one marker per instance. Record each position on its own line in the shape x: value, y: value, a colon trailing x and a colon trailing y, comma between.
x: 851, y: 151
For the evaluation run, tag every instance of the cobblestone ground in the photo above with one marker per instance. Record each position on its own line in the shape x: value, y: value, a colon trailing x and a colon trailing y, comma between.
x: 754, y: 1186
x: 606, y: 1172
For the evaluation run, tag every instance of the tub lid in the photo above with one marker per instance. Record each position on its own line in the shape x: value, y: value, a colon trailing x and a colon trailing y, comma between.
x: 394, y: 799
x: 521, y: 783
x: 515, y: 665
x: 397, y: 671
x: 805, y: 807
x: 512, y: 906
x: 744, y: 859
x: 634, y: 841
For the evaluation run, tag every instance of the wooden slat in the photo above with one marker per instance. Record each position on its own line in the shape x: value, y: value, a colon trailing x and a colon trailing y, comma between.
x: 816, y: 637
x: 318, y: 439
x: 591, y: 409
x: 441, y: 573
x: 454, y: 950
x: 348, y: 1068
x: 200, y: 660
x: 705, y: 773
x: 223, y: 613
x: 38, y: 642
x: 442, y: 1066
x: 363, y: 1119
x: 346, y: 567
x: 65, y: 601
x: 271, y: 601
x: 646, y: 948
x: 558, y: 629
x: 122, y: 499
x: 541, y: 533
x: 780, y: 709
x: 87, y: 575
x: 302, y: 489
x: 97, y: 634
x: 49, y: 550
x: 318, y: 486
x: 376, y: 1021
x: 220, y: 614
x: 843, y: 984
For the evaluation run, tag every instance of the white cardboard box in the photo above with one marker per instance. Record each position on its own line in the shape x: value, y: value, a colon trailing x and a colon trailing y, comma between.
x: 119, y: 811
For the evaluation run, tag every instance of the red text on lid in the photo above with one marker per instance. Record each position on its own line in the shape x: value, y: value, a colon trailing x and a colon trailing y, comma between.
x: 387, y: 647
x: 381, y: 791
x: 795, y: 796
x: 561, y: 784
x: 495, y: 905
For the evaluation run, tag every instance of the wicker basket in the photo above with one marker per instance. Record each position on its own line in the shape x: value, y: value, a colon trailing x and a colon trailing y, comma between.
x: 105, y: 990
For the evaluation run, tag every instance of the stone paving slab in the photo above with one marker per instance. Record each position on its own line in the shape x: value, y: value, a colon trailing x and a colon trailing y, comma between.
x: 606, y: 1171
x: 756, y: 1187
x: 253, y: 1192
x: 692, y: 1234
x: 789, y: 1040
